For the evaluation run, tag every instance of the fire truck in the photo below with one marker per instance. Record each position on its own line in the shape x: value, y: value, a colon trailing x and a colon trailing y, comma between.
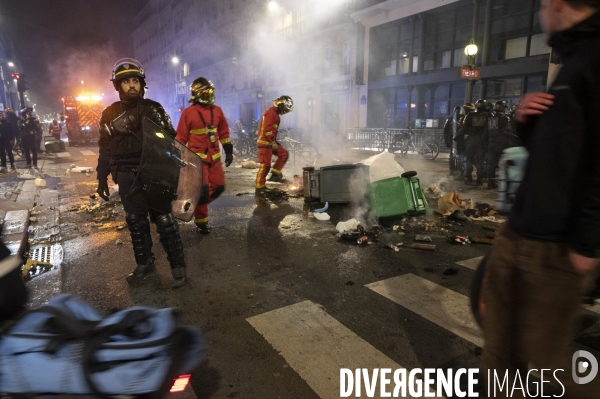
x: 82, y: 118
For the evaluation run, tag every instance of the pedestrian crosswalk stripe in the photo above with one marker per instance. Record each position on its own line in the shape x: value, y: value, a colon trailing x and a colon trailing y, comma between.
x: 63, y: 154
x: 593, y: 308
x: 471, y: 263
x: 87, y: 152
x: 435, y: 303
x: 317, y: 346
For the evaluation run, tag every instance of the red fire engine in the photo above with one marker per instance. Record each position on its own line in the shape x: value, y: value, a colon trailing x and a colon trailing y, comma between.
x: 82, y: 118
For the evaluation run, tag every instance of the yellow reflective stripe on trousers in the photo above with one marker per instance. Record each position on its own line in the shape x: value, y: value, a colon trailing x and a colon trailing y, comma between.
x: 203, y: 220
x: 275, y: 170
x: 268, y: 133
x: 263, y: 142
x: 225, y: 141
x: 215, y: 156
x: 259, y: 174
x: 203, y: 131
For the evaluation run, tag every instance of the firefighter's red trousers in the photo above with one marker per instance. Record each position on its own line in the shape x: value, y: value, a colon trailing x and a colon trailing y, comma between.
x: 264, y: 159
x: 214, y: 177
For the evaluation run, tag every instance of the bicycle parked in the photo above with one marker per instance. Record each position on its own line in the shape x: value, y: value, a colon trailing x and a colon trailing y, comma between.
x: 405, y: 143
x: 245, y: 144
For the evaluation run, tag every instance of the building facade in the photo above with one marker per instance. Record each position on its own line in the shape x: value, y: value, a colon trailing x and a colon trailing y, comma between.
x: 346, y: 63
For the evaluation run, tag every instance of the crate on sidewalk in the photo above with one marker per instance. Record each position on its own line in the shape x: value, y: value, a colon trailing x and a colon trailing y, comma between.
x: 397, y: 196
x: 53, y: 145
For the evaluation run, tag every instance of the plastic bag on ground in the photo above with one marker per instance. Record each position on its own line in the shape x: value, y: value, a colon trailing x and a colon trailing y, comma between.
x: 348, y: 225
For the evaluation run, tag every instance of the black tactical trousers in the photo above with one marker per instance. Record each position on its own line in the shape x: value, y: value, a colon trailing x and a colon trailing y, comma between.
x: 493, y: 157
x: 28, y: 142
x: 475, y: 156
x: 5, y: 148
x: 125, y: 180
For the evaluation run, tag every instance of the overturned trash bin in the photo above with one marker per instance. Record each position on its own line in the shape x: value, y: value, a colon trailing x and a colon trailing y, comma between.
x: 52, y: 145
x: 397, y: 196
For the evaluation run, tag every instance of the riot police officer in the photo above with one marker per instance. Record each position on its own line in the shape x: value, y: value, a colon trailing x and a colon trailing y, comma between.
x: 30, y: 128
x: 120, y: 155
x: 474, y: 132
x: 450, y: 131
x: 498, y: 129
x: 461, y: 143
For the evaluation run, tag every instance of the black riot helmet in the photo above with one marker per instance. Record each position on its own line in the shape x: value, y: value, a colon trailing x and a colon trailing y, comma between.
x: 126, y: 68
x: 26, y: 112
x: 203, y: 91
x: 468, y: 107
x: 500, y: 106
x: 457, y: 110
x: 284, y: 104
x: 480, y: 105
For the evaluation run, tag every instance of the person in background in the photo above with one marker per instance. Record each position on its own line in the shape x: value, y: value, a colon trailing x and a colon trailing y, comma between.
x: 5, y: 146
x: 29, y: 128
x: 55, y: 129
x: 550, y: 244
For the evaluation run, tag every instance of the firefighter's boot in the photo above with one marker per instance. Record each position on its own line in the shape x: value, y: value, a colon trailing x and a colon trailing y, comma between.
x: 167, y: 228
x: 139, y: 228
x: 276, y: 177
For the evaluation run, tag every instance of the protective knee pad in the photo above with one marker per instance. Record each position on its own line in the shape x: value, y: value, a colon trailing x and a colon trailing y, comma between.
x: 167, y: 228
x: 139, y: 229
x: 218, y: 191
x: 166, y: 223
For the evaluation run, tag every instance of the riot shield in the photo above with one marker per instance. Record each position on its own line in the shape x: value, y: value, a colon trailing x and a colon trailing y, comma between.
x: 169, y: 177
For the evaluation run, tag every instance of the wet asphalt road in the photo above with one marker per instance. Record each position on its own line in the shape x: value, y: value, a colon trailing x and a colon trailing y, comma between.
x: 262, y: 256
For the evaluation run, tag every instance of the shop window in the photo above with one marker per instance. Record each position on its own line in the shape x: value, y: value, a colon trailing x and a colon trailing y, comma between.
x: 390, y: 68
x: 538, y: 45
x: 460, y: 58
x: 347, y: 54
x: 516, y: 48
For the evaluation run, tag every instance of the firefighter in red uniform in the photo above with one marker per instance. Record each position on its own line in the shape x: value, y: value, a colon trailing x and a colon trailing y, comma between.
x: 55, y: 129
x: 267, y: 143
x: 202, y: 126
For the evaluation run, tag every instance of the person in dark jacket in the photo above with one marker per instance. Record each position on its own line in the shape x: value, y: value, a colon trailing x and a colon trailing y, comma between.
x: 498, y: 131
x: 474, y: 126
x: 5, y: 148
x: 13, y: 120
x: 120, y: 148
x: 549, y: 246
x: 29, y: 128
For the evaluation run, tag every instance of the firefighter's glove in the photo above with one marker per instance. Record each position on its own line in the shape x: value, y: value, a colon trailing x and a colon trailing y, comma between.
x: 274, y: 146
x: 103, y: 189
x: 228, y: 153
x: 228, y: 159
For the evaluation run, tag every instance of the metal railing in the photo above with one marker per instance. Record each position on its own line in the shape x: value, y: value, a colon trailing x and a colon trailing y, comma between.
x: 381, y: 139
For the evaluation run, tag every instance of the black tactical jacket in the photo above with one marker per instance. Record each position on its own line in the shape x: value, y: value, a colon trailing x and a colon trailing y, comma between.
x: 125, y: 148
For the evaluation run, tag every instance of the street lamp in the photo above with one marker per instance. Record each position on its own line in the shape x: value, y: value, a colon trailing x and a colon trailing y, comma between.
x: 175, y: 60
x: 273, y: 6
x: 471, y: 52
x: 470, y: 72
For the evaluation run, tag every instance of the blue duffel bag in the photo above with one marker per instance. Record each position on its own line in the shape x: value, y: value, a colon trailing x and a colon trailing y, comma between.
x: 67, y: 347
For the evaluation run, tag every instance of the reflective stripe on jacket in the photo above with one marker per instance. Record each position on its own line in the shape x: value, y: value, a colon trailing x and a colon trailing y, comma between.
x: 196, y: 133
x: 267, y: 128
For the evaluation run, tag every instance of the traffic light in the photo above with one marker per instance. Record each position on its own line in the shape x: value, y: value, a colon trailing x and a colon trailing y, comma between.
x: 21, y: 82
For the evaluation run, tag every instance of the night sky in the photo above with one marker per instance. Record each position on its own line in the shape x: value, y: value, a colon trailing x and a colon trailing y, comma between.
x: 61, y: 42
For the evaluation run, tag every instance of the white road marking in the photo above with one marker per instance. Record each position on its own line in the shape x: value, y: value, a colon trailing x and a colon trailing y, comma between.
x: 317, y: 346
x: 87, y: 152
x: 471, y: 263
x: 435, y: 303
x: 63, y: 154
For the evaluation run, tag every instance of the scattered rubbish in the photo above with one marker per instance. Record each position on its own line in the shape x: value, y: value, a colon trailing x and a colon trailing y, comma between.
x: 425, y: 247
x: 424, y: 238
x: 100, y: 218
x: 449, y: 203
x: 433, y: 192
x: 351, y: 235
x: 80, y: 169
x: 34, y: 268
x: 249, y: 165
x: 40, y: 182
x: 362, y: 240
x: 348, y: 225
x: 238, y: 166
x: 490, y: 228
x: 326, y: 207
x: 119, y: 242
x: 93, y: 196
x: 482, y: 240
x: 30, y: 229
x: 396, y: 247
x: 396, y: 228
x: 458, y: 239
x: 324, y: 216
x: 459, y: 215
x: 121, y: 226
x: 26, y: 176
x: 33, y: 219
x: 94, y: 224
x: 450, y: 272
x: 34, y: 213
